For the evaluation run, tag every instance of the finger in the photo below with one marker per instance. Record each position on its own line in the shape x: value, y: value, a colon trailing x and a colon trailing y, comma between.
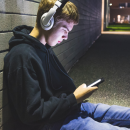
x: 84, y: 85
x: 94, y: 88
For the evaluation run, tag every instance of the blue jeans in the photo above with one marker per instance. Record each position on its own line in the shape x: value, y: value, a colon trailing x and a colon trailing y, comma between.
x: 96, y: 117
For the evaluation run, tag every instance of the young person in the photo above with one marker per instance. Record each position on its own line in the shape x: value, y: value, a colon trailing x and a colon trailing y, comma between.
x: 41, y: 94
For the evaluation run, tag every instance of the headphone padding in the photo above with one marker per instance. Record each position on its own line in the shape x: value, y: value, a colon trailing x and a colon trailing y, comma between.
x: 51, y: 22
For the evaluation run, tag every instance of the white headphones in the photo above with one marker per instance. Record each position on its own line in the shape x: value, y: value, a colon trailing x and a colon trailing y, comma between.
x: 47, y: 19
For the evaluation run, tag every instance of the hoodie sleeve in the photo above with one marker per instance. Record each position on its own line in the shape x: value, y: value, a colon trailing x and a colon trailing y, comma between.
x: 27, y: 97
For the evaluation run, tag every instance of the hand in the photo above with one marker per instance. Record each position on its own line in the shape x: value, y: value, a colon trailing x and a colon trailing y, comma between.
x: 83, y: 92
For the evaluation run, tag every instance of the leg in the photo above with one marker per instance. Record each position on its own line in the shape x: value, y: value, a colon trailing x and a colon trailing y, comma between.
x: 96, y: 117
x: 77, y: 122
x: 115, y: 115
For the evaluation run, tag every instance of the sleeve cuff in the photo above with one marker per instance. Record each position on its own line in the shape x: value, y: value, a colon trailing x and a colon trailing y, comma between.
x: 72, y: 100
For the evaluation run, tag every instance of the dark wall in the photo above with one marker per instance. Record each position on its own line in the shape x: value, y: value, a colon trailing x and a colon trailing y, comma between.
x: 82, y: 35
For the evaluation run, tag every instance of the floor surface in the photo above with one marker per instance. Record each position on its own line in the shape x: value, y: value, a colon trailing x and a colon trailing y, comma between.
x: 108, y: 57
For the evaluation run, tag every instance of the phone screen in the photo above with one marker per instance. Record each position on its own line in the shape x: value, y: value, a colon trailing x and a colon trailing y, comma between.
x: 96, y: 83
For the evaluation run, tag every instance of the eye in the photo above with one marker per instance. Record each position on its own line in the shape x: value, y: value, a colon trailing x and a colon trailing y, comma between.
x: 65, y: 31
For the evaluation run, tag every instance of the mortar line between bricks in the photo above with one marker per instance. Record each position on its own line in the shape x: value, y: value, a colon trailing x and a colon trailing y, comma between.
x: 16, y: 13
x: 4, y: 50
x: 4, y: 31
x: 33, y: 1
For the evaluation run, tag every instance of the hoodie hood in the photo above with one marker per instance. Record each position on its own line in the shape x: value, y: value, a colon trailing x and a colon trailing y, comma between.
x: 21, y: 36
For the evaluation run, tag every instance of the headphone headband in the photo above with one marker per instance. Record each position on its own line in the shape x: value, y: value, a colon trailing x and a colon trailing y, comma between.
x: 63, y: 2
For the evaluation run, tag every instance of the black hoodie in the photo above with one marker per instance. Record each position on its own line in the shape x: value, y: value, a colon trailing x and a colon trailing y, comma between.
x: 39, y: 89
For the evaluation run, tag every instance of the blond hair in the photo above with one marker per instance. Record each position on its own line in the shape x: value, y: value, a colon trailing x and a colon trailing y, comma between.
x: 68, y: 13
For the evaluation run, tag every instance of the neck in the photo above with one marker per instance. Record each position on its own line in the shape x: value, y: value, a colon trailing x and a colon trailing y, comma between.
x: 38, y: 34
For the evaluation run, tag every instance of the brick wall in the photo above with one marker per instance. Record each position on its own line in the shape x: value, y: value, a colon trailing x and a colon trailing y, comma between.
x: 19, y: 12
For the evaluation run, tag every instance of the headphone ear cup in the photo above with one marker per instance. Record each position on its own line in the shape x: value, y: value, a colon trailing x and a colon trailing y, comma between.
x: 49, y: 25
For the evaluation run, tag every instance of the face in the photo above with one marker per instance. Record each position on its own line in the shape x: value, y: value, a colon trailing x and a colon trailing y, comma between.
x: 59, y: 33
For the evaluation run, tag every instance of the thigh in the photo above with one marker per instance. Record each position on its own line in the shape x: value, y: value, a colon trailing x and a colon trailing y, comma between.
x: 118, y: 115
x: 78, y: 122
x: 95, y: 111
x: 95, y: 117
x: 115, y: 115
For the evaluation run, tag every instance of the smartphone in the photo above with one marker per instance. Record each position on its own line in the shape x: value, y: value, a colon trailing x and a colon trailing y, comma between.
x: 96, y: 83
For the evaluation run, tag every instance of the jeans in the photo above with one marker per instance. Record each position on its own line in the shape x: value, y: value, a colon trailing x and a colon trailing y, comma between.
x: 96, y: 117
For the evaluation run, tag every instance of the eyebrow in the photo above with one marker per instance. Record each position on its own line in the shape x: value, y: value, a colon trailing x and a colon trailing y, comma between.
x: 66, y: 28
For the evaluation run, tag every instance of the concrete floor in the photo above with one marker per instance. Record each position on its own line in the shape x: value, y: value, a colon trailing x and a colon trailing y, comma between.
x: 109, y: 57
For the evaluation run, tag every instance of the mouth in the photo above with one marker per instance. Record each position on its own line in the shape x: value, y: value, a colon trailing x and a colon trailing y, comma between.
x: 59, y: 41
